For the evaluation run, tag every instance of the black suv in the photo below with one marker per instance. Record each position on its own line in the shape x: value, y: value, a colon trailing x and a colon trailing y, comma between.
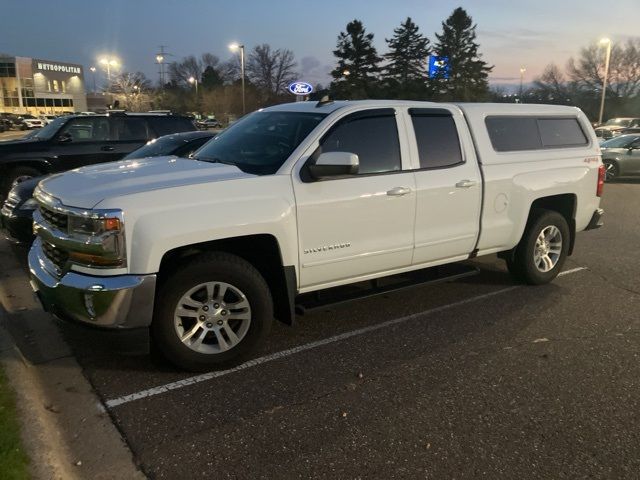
x: 74, y: 141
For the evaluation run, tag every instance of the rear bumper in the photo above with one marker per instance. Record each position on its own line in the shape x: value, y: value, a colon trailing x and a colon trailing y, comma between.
x: 596, y: 220
x: 121, y: 301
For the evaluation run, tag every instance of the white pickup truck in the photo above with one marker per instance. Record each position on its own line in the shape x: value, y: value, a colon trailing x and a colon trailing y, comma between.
x: 302, y: 197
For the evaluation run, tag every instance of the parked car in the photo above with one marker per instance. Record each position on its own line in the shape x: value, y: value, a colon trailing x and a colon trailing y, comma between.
x: 614, y: 126
x: 17, y: 212
x: 47, y: 119
x: 302, y: 197
x: 74, y: 141
x: 621, y: 156
x: 29, y: 122
x: 208, y: 123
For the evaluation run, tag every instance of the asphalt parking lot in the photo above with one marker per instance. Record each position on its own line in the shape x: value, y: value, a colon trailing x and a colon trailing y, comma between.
x: 478, y: 378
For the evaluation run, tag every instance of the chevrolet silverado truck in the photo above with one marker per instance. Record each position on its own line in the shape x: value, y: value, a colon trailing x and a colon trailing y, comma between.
x: 303, y: 197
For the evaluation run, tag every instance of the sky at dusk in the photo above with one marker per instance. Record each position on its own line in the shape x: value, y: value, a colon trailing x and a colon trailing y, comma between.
x: 510, y: 33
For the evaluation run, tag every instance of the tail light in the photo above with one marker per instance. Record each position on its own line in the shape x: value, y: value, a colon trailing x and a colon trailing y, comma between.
x: 601, y: 175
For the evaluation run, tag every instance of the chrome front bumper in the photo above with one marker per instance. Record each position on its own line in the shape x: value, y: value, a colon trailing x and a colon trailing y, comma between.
x: 121, y: 301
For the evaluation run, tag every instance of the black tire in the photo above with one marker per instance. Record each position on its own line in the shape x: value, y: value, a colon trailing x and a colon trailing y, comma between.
x: 522, y: 265
x: 612, y: 170
x: 209, y: 267
x: 23, y: 173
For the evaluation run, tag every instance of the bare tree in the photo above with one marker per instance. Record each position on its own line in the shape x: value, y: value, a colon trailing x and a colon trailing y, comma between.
x: 552, y: 85
x: 190, y: 66
x: 132, y: 88
x: 624, y: 70
x: 271, y: 70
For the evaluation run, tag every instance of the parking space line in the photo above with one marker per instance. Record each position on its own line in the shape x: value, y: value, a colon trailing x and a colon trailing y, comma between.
x: 303, y: 348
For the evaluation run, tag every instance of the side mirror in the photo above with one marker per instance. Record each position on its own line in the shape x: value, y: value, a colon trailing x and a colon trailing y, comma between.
x: 65, y: 138
x: 334, y: 164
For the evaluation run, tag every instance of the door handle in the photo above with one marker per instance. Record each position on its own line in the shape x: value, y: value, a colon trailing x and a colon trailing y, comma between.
x: 107, y: 148
x: 466, y: 183
x: 398, y: 191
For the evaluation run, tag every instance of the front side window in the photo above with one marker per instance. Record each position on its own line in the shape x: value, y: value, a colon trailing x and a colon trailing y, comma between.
x: 373, y: 138
x: 261, y: 142
x: 167, y: 125
x: 89, y: 129
x: 437, y: 139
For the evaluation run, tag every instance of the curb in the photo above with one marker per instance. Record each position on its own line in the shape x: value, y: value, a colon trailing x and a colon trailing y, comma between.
x: 65, y: 430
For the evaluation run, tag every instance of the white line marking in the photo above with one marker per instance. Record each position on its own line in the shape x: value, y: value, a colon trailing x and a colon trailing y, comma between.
x: 303, y: 348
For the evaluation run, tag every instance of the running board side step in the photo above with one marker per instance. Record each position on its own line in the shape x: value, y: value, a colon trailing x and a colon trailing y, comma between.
x: 307, y: 302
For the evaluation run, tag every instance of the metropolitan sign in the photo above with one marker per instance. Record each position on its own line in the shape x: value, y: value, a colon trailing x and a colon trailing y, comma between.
x: 300, y: 88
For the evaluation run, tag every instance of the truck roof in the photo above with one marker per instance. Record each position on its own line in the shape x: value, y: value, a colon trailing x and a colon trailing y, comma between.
x: 471, y: 108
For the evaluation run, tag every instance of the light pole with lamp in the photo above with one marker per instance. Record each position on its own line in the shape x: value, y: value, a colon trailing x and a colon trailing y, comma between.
x: 160, y: 62
x: 604, y: 41
x: 522, y: 70
x: 233, y: 47
x: 194, y: 81
x: 108, y: 63
x: 93, y: 72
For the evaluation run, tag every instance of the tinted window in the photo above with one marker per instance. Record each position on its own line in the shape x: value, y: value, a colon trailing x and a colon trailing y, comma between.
x: 531, y: 133
x: 87, y: 129
x: 373, y: 139
x: 166, y: 125
x: 191, y: 147
x: 510, y: 134
x: 561, y: 132
x: 129, y: 129
x: 438, y: 142
x: 260, y: 142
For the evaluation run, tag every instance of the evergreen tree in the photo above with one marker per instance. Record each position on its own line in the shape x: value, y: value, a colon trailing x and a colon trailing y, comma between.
x: 468, y: 74
x: 211, y: 78
x: 408, y: 54
x: 356, y: 74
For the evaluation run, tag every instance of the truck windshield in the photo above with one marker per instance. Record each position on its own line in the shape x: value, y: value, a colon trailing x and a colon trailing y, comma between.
x: 261, y: 142
x: 49, y: 130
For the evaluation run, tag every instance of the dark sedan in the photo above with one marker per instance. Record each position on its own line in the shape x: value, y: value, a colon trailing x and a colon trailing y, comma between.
x: 16, y: 213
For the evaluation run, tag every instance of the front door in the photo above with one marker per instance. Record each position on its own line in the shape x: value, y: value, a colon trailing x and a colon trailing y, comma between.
x: 448, y: 185
x: 358, y: 225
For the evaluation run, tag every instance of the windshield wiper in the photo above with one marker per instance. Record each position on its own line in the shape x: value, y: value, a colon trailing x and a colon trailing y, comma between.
x: 213, y: 160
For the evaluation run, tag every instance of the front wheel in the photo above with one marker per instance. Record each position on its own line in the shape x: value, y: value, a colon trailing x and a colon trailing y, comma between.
x: 543, y: 249
x: 215, y: 309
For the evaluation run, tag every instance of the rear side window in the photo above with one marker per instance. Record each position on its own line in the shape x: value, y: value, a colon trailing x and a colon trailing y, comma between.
x: 561, y: 132
x: 509, y: 134
x: 374, y: 139
x: 437, y: 139
x: 130, y: 129
x: 167, y: 125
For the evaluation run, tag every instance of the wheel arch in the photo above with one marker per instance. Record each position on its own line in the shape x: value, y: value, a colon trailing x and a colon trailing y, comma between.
x: 565, y: 204
x: 262, y: 251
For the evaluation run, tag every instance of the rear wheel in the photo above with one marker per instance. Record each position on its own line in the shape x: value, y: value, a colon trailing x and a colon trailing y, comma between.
x: 611, y: 171
x: 543, y: 249
x: 215, y: 309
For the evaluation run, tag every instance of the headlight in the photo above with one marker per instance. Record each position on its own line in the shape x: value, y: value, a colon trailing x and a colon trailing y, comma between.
x: 93, y: 226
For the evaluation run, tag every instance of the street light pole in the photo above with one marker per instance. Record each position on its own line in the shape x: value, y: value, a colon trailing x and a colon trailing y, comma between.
x: 93, y: 72
x: 233, y: 47
x: 522, y: 70
x: 194, y: 81
x: 108, y: 63
x: 606, y: 75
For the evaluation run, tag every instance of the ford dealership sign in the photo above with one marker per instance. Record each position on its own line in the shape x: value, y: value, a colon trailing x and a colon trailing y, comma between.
x: 300, y: 88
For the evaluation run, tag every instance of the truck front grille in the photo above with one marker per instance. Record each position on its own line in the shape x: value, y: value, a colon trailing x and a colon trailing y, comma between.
x: 9, y: 205
x: 58, y: 257
x: 55, y: 219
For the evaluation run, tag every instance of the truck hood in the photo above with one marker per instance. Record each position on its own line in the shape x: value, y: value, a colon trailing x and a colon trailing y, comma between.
x: 87, y: 186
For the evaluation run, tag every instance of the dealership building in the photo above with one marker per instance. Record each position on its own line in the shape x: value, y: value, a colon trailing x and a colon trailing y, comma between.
x: 36, y: 86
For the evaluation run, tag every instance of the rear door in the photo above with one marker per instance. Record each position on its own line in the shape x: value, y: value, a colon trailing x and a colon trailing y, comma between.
x: 448, y: 184
x: 129, y: 133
